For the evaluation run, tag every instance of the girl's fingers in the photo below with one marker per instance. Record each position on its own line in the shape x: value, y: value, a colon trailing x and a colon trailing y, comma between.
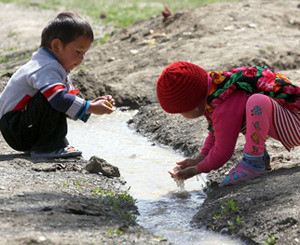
x: 172, y: 174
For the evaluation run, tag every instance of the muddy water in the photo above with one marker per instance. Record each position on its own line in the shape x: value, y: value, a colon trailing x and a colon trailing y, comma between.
x: 165, y: 209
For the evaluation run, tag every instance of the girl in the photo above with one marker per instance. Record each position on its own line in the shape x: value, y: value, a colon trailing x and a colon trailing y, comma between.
x: 253, y: 100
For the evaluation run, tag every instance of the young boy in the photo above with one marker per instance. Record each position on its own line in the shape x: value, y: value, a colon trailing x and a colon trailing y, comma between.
x: 39, y: 97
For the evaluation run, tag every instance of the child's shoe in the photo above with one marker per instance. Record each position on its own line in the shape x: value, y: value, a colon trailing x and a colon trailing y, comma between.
x: 248, y: 168
x: 68, y: 151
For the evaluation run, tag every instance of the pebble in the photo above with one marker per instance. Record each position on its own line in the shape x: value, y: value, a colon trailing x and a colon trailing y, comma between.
x: 111, y: 59
x: 229, y: 28
x: 134, y: 51
x: 224, y: 231
x: 254, y: 26
x: 42, y: 239
x: 145, y: 42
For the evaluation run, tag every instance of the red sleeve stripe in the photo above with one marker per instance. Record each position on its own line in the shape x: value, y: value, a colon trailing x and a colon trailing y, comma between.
x: 22, y: 104
x: 53, y: 90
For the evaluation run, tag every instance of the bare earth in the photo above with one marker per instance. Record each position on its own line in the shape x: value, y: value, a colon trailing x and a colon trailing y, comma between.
x: 41, y: 204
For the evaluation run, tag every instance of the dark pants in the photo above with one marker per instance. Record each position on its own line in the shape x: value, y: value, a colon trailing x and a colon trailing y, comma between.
x: 37, y: 127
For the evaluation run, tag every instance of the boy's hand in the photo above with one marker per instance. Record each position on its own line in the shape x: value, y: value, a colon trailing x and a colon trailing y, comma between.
x: 109, y: 98
x: 186, y: 173
x: 101, y: 106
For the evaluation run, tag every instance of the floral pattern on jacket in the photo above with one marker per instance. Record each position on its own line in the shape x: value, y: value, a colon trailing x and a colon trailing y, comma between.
x: 251, y: 80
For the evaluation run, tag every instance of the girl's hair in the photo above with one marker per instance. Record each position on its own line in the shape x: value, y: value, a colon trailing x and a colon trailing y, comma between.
x: 67, y: 26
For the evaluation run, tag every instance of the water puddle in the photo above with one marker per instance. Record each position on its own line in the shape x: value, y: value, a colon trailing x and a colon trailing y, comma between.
x: 164, y: 209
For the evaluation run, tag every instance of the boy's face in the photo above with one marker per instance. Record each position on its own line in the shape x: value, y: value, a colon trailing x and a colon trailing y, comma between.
x: 73, y: 53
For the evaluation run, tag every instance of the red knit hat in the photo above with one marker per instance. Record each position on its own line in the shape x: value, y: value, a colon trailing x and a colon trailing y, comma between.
x: 181, y: 87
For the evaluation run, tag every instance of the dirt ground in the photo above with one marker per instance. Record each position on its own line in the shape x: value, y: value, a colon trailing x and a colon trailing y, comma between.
x: 216, y: 37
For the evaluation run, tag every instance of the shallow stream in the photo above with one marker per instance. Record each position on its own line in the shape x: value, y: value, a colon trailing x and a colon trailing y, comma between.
x: 165, y: 209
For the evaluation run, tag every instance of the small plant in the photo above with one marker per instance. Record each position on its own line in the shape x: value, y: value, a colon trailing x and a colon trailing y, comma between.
x: 217, y: 216
x: 239, y: 219
x: 212, y: 227
x: 125, y: 196
x: 270, y: 240
x: 113, y: 202
x: 110, y: 232
x: 79, y: 182
x: 262, y: 51
x: 229, y: 206
x: 129, y: 217
x: 120, y: 233
x: 228, y: 212
x: 161, y: 237
x: 230, y: 225
x: 66, y: 184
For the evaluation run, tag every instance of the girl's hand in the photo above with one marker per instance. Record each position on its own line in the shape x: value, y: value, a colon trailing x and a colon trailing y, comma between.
x: 186, y: 173
x: 187, y: 163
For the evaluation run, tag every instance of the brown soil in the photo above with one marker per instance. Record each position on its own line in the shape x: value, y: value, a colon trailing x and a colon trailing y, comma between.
x: 216, y: 37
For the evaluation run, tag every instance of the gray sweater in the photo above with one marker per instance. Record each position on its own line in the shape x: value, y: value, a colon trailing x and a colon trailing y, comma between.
x: 45, y: 74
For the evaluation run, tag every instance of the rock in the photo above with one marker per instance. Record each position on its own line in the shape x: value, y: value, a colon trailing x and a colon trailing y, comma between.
x: 133, y: 51
x: 96, y: 165
x: 111, y: 59
x: 252, y: 25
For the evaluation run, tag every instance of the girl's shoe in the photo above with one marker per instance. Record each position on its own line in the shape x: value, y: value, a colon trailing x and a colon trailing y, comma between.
x: 68, y: 151
x: 245, y: 170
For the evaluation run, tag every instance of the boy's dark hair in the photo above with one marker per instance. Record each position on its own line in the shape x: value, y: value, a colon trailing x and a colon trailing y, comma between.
x: 67, y: 26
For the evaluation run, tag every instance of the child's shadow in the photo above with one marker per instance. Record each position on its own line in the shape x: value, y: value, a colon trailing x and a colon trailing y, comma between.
x: 27, y: 157
x: 10, y: 157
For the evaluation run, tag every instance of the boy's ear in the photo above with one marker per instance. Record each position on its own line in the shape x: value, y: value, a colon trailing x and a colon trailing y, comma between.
x: 56, y: 45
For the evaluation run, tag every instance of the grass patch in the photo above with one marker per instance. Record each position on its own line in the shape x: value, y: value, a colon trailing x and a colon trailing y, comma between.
x: 119, y: 13
x: 118, y: 203
x: 17, y: 56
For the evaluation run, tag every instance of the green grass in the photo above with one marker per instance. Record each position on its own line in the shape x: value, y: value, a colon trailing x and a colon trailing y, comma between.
x: 120, y: 13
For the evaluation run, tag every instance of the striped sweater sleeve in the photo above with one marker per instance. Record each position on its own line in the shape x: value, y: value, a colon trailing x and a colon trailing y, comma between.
x: 65, y: 102
x: 51, y: 81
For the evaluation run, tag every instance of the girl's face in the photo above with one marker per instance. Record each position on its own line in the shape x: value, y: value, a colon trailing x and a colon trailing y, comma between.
x: 72, y: 54
x: 196, y: 112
